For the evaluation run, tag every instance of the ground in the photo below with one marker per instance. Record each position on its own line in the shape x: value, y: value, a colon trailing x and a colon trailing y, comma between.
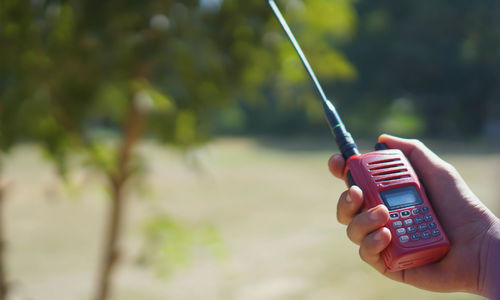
x: 272, y: 203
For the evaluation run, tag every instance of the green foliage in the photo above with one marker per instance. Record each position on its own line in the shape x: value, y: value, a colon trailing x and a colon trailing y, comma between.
x: 83, y: 63
x: 87, y: 61
x: 170, y: 244
x: 401, y: 119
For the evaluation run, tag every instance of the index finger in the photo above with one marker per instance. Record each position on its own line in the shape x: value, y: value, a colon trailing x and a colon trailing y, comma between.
x: 336, y: 164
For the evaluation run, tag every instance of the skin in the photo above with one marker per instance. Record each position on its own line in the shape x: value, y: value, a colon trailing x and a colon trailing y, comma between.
x: 471, y: 265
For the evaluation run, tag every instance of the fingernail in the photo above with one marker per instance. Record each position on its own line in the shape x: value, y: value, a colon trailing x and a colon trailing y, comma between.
x: 377, y: 236
x: 385, y: 136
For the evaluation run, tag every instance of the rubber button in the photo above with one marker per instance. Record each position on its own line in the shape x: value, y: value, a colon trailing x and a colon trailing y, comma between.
x: 397, y: 224
x: 411, y: 229
x: 404, y: 239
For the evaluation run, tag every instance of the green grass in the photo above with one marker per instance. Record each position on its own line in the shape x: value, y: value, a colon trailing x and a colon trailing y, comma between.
x: 273, y: 203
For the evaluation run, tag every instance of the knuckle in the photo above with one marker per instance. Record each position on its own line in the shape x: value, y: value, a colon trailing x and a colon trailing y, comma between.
x: 449, y: 169
x: 418, y: 146
x: 348, y: 231
x: 417, y: 143
x: 362, y: 253
x: 351, y: 233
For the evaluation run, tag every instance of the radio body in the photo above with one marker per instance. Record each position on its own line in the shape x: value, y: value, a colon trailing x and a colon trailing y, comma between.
x: 387, y: 177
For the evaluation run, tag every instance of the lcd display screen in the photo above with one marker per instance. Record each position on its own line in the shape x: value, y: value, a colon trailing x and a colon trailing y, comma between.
x: 401, y: 197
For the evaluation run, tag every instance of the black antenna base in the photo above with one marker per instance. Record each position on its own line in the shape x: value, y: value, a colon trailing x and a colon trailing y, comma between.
x: 345, y: 142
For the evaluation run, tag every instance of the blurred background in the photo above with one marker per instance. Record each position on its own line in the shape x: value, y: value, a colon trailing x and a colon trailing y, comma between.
x: 177, y: 150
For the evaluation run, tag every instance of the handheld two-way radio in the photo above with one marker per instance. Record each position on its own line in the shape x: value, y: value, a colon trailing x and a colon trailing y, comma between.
x: 386, y: 177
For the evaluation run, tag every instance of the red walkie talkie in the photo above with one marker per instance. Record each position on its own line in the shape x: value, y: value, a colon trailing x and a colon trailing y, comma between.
x: 386, y: 177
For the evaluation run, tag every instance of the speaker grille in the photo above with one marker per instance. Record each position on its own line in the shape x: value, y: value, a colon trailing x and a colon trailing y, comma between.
x: 388, y: 170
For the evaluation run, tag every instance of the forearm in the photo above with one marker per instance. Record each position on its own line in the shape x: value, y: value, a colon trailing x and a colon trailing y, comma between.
x: 489, y: 282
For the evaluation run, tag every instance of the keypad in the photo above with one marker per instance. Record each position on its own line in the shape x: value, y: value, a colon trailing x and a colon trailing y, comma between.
x: 414, y: 225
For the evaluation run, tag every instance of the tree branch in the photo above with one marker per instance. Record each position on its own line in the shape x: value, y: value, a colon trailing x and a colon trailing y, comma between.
x: 117, y: 180
x: 3, y: 279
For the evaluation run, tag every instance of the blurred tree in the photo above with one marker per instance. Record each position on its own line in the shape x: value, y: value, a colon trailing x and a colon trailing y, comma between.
x: 70, y: 69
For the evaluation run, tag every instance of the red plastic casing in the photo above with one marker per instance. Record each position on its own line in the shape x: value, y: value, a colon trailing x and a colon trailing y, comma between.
x: 383, y: 170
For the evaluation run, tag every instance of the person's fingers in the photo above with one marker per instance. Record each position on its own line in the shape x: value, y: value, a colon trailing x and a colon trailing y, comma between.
x: 336, y: 164
x: 349, y: 204
x: 373, y: 244
x: 366, y: 222
x: 371, y: 249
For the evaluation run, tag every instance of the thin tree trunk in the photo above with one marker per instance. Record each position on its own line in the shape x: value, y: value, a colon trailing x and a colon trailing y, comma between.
x: 117, y: 181
x: 3, y: 279
x: 111, y: 250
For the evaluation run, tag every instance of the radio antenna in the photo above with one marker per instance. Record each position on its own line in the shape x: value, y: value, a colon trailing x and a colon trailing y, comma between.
x: 344, y: 140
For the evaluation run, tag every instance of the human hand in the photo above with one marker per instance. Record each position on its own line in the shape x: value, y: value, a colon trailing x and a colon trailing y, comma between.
x: 473, y: 230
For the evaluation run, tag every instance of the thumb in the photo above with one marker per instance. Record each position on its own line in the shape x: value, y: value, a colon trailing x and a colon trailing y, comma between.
x: 422, y: 158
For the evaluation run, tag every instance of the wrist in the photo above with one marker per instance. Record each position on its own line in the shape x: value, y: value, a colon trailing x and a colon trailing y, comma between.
x: 489, y: 282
